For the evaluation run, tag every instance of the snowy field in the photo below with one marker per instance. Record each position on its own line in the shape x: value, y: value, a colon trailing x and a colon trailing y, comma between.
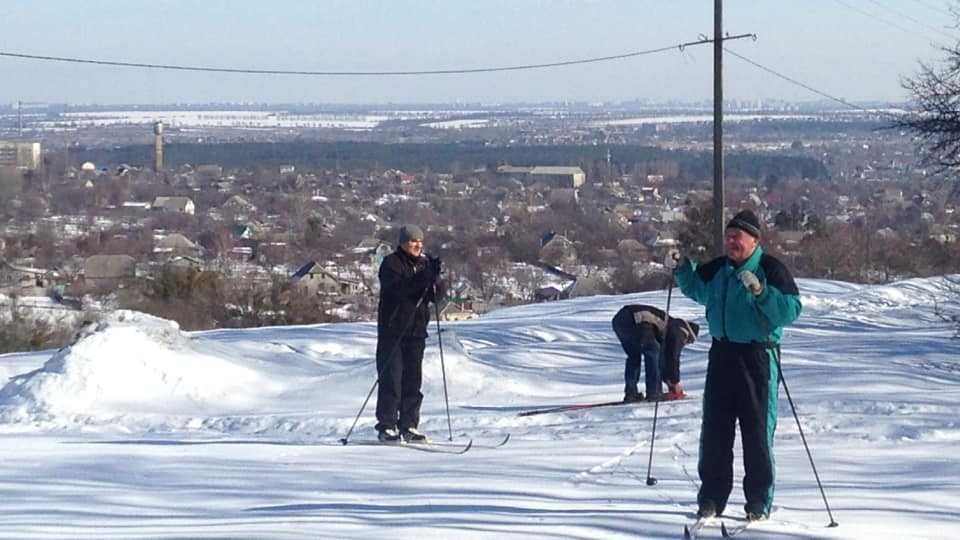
x: 139, y: 430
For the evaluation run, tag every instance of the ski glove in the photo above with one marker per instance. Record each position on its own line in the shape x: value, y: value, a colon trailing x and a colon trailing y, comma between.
x: 672, y: 259
x: 750, y: 282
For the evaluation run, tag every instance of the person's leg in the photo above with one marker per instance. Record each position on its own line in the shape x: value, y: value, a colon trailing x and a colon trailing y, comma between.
x: 715, y: 464
x: 631, y: 376
x: 673, y: 345
x: 410, y: 395
x: 626, y: 330
x: 758, y: 421
x: 389, y: 374
x: 651, y: 363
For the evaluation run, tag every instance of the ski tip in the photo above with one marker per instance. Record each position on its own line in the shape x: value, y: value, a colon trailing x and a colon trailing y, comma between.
x: 467, y: 447
x: 505, y: 439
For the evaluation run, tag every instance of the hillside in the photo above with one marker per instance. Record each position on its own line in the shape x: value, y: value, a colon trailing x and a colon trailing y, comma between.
x: 141, y: 430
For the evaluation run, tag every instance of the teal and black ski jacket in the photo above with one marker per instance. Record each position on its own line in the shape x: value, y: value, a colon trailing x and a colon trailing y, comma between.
x: 733, y: 313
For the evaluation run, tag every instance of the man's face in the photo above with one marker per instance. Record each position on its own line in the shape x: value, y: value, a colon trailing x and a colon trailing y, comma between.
x: 413, y: 247
x: 738, y: 244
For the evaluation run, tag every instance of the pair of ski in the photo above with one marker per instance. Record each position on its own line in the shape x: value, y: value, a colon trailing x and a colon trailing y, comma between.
x: 691, y: 532
x: 584, y: 406
x: 436, y: 447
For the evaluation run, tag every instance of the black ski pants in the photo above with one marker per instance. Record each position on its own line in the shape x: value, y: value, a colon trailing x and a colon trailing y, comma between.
x: 741, y: 386
x: 399, y: 372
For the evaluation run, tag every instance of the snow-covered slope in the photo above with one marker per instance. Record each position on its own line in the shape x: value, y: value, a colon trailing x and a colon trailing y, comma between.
x: 141, y: 430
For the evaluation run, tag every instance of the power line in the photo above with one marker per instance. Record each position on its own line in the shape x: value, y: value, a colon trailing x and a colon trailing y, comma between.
x: 796, y: 82
x: 917, y: 21
x: 934, y: 8
x: 246, y: 71
x: 879, y: 18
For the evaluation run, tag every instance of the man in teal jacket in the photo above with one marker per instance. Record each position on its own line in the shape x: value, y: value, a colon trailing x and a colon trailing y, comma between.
x: 749, y: 296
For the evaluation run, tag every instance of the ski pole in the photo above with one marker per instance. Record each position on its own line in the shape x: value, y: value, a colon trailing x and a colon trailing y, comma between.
x: 796, y: 417
x: 393, y: 351
x: 346, y: 437
x: 443, y: 369
x: 651, y: 481
x: 793, y: 408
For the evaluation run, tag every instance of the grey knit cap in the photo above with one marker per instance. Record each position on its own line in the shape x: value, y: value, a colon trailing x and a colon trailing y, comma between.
x: 410, y: 232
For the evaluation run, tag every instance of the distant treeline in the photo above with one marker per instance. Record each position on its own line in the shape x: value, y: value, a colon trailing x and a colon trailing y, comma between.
x: 455, y: 157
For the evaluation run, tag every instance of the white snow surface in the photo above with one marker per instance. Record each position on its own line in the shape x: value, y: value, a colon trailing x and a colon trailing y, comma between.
x: 140, y: 430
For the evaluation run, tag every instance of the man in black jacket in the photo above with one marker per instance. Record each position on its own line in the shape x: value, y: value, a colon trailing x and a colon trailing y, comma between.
x: 409, y: 281
x: 643, y: 332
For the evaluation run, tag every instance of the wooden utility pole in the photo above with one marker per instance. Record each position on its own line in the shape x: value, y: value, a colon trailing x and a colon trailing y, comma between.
x: 718, y: 126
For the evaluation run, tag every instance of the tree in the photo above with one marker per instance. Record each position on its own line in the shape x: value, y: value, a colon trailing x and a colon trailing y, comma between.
x: 936, y: 118
x: 694, y: 234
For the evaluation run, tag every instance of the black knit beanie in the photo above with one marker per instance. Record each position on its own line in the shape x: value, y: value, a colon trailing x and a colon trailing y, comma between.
x: 746, y: 221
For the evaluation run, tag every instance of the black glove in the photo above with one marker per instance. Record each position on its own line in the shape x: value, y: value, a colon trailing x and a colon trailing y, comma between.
x: 435, y: 266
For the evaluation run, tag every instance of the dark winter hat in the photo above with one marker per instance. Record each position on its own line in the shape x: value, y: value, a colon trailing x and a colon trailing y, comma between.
x: 746, y: 221
x: 410, y: 232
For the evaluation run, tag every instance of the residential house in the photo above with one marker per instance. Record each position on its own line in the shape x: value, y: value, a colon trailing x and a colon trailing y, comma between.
x: 942, y: 234
x: 209, y: 172
x: 553, y: 176
x: 182, y: 205
x: 550, y: 293
x: 888, y: 196
x: 176, y: 244
x: 242, y: 253
x: 558, y: 250
x: 672, y: 216
x: 183, y: 262
x: 246, y: 231
x: 457, y: 311
x: 649, y: 193
x: 238, y: 205
x: 109, y: 270
x: 791, y: 238
x: 462, y: 303
x: 655, y: 179
x: 15, y: 277
x: 568, y: 177
x: 374, y: 250
x: 317, y: 280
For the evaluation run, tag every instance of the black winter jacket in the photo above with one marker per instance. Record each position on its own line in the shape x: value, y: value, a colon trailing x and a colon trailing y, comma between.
x: 404, y: 280
x: 674, y: 341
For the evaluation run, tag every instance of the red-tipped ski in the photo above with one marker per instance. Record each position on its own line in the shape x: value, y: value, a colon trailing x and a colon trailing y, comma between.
x: 584, y: 406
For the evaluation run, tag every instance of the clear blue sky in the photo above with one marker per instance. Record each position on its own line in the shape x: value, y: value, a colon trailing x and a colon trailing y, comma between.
x: 854, y: 49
